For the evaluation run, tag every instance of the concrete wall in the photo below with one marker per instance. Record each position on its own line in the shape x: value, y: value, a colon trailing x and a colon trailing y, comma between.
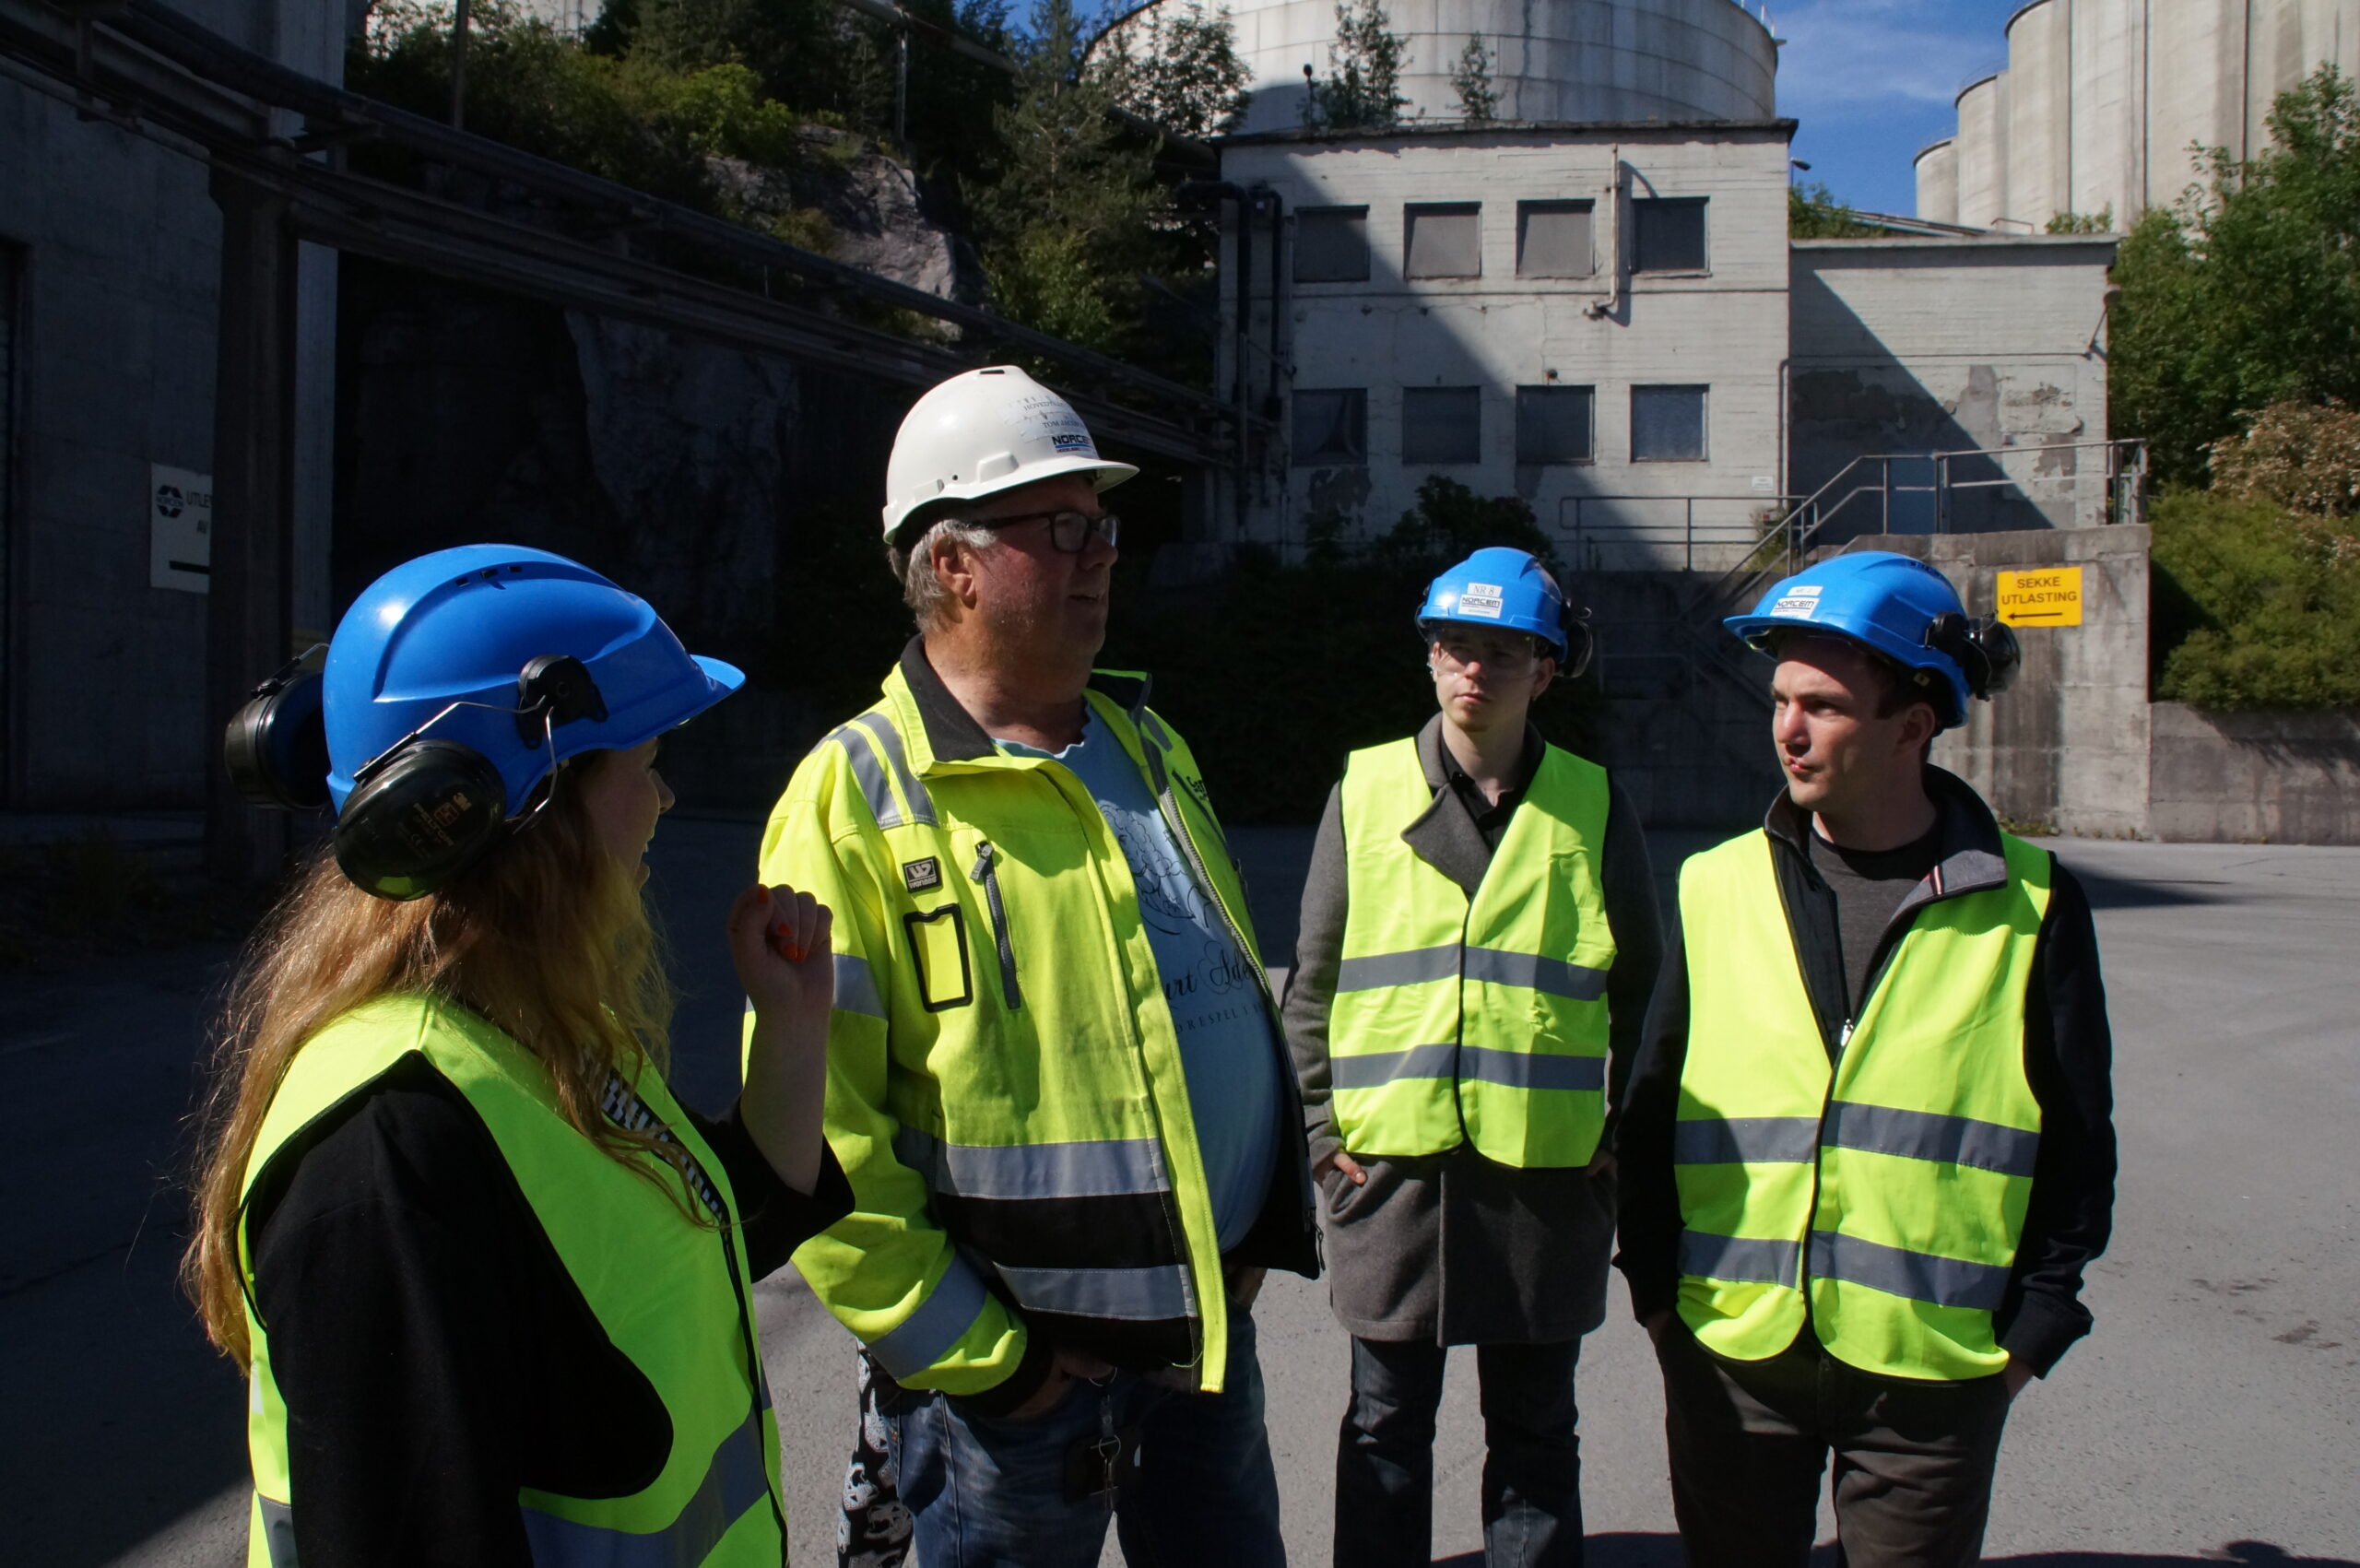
x: 1559, y: 60
x: 2102, y: 98
x: 2247, y: 778
x: 2012, y: 357
x: 117, y: 250
x: 2066, y: 746
x: 1724, y: 327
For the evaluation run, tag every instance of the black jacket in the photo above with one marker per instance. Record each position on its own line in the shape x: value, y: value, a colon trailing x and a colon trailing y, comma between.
x: 2068, y: 1057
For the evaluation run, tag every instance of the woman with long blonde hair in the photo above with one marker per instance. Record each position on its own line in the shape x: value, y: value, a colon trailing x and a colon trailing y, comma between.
x: 490, y: 1282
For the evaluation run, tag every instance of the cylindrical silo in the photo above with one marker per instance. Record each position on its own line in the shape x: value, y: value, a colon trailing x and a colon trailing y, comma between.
x: 2195, y: 90
x: 2105, y: 127
x: 1983, y: 152
x: 2289, y: 41
x: 1938, y: 182
x: 2039, y: 109
x: 1551, y: 60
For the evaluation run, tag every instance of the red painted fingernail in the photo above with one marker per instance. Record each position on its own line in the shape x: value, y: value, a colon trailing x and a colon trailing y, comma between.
x: 794, y: 953
x: 762, y: 895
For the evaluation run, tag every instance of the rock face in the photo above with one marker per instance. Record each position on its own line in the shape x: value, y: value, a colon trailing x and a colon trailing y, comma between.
x: 873, y: 204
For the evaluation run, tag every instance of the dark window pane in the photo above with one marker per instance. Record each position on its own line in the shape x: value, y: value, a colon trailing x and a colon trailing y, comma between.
x: 1331, y: 244
x: 1668, y: 234
x: 1330, y: 428
x: 1667, y: 424
x: 1442, y: 424
x: 1552, y: 239
x: 1553, y: 424
x: 1446, y: 241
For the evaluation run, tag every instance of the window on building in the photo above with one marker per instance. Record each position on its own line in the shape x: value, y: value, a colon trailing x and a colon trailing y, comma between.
x: 1667, y: 424
x: 1446, y: 240
x: 1668, y: 234
x: 1552, y: 239
x: 1330, y: 428
x: 1442, y: 424
x: 1553, y: 424
x: 1331, y: 244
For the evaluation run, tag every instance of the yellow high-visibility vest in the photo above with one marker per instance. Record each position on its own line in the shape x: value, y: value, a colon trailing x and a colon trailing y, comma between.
x: 1475, y: 1021
x: 1881, y: 1196
x: 673, y: 1295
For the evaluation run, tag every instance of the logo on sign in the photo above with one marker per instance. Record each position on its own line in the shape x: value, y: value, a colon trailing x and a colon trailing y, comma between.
x: 168, y: 500
x: 920, y: 874
x: 1800, y: 603
x: 1481, y: 598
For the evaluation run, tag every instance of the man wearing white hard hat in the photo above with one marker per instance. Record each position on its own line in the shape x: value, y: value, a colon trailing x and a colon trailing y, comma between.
x: 1055, y: 1078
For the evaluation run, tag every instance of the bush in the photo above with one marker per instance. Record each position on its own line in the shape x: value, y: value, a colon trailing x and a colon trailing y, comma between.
x: 1295, y: 665
x: 2254, y: 607
x: 2305, y: 459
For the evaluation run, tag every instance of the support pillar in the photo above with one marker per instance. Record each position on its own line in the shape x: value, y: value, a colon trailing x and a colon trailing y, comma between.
x: 248, y: 607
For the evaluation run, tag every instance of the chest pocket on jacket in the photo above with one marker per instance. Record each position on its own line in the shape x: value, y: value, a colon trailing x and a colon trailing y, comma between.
x: 938, y: 939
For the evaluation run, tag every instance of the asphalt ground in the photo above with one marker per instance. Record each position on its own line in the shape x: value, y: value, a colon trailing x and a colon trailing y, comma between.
x: 2212, y: 1417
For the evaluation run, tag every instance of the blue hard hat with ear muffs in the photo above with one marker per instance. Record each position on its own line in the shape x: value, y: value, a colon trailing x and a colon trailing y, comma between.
x: 1511, y: 589
x: 453, y: 687
x: 1903, y: 610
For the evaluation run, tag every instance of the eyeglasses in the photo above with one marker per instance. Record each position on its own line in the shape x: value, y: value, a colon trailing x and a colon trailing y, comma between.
x: 1504, y: 658
x: 1069, y: 531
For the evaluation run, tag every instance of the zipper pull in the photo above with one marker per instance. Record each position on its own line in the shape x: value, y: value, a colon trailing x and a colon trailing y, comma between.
x: 982, y: 862
x: 1846, y: 1038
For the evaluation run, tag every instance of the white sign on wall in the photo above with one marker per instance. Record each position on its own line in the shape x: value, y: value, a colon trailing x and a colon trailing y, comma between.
x: 179, y: 528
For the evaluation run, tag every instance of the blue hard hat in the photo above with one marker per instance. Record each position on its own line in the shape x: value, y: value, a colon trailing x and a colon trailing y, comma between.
x: 1502, y: 587
x: 1891, y: 603
x: 462, y: 626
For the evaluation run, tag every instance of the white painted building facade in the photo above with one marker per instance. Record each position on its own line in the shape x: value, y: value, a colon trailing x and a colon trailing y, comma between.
x: 1610, y: 322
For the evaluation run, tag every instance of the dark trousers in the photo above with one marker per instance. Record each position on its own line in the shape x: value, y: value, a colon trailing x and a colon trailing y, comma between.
x: 1385, y: 1459
x: 1749, y: 1441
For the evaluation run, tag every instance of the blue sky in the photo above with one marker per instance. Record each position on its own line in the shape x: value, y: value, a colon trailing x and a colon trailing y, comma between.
x: 1873, y: 81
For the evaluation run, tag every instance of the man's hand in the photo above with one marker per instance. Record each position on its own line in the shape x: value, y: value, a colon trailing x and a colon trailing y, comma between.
x: 1601, y: 1163
x: 2014, y: 1375
x: 1656, y: 1323
x: 1064, y: 1368
x: 1340, y: 1160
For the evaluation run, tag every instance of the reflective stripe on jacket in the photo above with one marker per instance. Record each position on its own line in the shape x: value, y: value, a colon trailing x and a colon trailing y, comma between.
x: 669, y: 1292
x: 1480, y: 1021
x: 1006, y: 1088
x: 1892, y: 1185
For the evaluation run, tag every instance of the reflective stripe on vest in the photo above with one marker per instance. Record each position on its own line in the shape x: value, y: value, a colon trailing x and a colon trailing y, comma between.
x: 669, y: 1293
x: 1882, y: 1198
x: 1478, y: 1020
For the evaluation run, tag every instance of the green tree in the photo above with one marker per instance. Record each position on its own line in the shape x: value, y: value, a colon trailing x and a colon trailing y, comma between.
x: 1362, y: 89
x: 2098, y: 223
x: 1813, y: 213
x: 1478, y: 101
x: 1180, y: 70
x: 1068, y: 214
x: 2248, y: 291
x: 2254, y: 607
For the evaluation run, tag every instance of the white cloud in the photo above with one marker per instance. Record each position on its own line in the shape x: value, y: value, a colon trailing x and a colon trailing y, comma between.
x: 1854, y: 54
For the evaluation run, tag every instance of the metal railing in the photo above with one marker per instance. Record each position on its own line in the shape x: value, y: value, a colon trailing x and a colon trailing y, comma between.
x: 1589, y: 536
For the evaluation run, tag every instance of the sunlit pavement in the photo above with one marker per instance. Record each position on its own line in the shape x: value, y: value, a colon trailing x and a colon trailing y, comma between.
x: 2215, y: 1414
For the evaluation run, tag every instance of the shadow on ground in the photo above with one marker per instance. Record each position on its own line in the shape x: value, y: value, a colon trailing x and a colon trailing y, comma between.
x: 1635, y: 1550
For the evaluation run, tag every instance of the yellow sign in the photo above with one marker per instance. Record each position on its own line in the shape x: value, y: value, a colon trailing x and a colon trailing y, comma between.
x: 2051, y: 595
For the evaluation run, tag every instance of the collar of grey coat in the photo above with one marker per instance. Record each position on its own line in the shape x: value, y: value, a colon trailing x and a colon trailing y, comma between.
x: 1971, y: 859
x: 951, y: 732
x: 1444, y: 835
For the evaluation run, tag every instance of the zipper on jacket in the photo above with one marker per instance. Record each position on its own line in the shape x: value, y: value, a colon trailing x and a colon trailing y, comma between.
x: 987, y: 875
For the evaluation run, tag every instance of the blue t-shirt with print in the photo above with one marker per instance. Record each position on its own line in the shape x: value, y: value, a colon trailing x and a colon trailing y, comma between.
x: 1214, y: 997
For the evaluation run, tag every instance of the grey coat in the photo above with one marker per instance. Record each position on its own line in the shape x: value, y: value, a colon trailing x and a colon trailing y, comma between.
x: 1455, y: 1248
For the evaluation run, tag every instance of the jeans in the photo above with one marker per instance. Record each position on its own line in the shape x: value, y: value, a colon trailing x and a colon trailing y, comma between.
x: 989, y: 1491
x: 1750, y: 1441
x: 1385, y: 1457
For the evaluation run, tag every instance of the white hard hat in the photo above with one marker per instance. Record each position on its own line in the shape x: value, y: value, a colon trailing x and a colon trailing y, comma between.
x: 986, y: 431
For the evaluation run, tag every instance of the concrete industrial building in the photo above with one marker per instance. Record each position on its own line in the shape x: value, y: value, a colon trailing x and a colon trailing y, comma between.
x: 110, y: 259
x: 1610, y: 322
x: 1560, y: 60
x: 2102, y: 101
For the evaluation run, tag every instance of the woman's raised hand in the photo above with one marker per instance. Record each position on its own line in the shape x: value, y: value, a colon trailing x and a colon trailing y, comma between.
x: 779, y: 940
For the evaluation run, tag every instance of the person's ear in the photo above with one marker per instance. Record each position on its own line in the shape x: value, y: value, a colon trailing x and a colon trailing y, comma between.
x: 1546, y: 668
x: 1918, y: 727
x: 954, y: 562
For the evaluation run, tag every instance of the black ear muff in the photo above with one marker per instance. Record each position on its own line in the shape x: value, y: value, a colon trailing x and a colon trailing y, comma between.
x: 555, y: 689
x: 275, y: 747
x: 418, y: 817
x: 1985, y: 649
x: 1581, y: 643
